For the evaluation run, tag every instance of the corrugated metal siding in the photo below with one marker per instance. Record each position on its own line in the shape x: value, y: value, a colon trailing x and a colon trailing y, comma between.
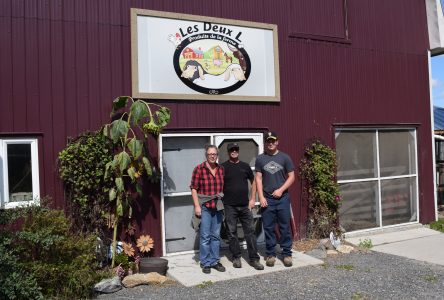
x: 63, y: 62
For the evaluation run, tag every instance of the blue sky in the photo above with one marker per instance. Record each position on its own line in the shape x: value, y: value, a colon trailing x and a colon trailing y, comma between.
x: 438, y: 77
x: 438, y: 80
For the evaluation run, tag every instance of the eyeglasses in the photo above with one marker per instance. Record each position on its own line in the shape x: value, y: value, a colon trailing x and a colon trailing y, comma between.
x: 234, y: 150
x: 270, y: 141
x: 211, y: 154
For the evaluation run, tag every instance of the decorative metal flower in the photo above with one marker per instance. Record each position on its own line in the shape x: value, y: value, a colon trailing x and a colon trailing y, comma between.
x: 128, y: 249
x: 145, y: 243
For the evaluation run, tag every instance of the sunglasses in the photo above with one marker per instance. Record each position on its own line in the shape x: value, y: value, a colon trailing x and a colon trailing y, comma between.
x: 234, y: 150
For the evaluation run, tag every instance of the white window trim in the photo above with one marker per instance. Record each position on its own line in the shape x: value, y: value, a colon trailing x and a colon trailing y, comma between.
x: 216, y: 139
x: 379, y: 178
x: 4, y: 186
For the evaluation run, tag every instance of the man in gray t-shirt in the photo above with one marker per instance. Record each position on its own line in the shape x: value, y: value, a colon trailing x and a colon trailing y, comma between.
x: 274, y: 175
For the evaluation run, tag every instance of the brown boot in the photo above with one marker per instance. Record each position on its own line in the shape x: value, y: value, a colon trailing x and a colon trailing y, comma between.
x: 288, y: 261
x: 270, y: 260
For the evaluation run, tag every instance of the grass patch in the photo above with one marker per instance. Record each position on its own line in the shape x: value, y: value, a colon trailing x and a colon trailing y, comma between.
x: 430, y: 278
x: 365, y: 244
x: 438, y: 225
x: 205, y: 284
x: 345, y: 267
x: 360, y: 296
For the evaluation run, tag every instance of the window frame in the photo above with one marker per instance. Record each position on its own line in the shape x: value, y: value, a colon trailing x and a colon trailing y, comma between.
x: 379, y: 179
x: 5, y: 203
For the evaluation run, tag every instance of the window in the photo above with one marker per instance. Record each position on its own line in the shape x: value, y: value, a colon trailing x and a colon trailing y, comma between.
x: 377, y: 177
x: 18, y: 172
x: 439, y: 150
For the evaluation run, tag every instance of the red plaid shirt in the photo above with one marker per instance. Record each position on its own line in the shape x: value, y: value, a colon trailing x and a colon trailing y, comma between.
x: 206, y: 184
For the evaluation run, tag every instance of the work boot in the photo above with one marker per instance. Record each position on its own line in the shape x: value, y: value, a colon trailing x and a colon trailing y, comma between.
x: 270, y: 260
x: 237, y: 263
x: 219, y: 267
x: 206, y: 270
x: 288, y: 261
x: 257, y: 265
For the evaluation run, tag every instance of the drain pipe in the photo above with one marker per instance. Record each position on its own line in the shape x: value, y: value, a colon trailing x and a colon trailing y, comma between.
x: 432, y: 124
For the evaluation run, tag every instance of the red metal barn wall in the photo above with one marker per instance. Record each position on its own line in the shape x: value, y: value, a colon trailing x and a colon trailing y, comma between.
x: 62, y: 63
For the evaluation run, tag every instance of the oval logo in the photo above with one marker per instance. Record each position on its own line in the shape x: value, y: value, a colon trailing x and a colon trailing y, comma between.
x: 211, y: 64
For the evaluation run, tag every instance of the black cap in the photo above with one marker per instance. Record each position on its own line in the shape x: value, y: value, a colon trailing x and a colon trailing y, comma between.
x: 232, y: 145
x: 271, y: 135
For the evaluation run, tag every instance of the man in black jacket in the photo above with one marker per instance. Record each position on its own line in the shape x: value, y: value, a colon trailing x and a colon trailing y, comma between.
x: 238, y: 206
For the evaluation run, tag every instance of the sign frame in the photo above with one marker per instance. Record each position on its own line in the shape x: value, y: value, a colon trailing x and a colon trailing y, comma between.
x: 137, y: 93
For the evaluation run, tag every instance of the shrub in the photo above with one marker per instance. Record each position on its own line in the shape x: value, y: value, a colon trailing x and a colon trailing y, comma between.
x: 81, y: 166
x: 57, y: 263
x: 318, y: 171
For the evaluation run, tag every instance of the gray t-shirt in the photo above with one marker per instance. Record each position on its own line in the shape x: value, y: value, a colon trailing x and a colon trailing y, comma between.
x: 274, y: 169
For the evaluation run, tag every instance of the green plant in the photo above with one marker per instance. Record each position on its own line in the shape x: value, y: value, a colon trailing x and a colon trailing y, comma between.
x: 360, y: 296
x: 318, y: 171
x: 56, y: 262
x: 365, y: 244
x: 131, y: 160
x: 81, y: 166
x: 437, y: 225
x: 345, y: 267
x: 430, y: 278
x: 205, y: 284
x: 123, y: 260
x: 15, y: 281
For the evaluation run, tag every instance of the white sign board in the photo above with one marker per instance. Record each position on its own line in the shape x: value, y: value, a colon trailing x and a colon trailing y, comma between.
x: 177, y: 56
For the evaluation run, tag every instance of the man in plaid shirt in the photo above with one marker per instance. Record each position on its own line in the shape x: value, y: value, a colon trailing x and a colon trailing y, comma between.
x: 207, y: 185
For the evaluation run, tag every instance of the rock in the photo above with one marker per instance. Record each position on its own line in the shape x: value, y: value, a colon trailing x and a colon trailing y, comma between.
x: 317, y: 253
x: 107, y: 286
x: 146, y: 278
x: 332, y: 252
x: 327, y: 244
x: 321, y: 247
x: 345, y: 249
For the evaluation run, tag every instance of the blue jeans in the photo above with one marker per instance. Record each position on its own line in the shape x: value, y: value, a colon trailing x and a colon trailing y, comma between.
x: 209, y: 242
x: 277, y: 211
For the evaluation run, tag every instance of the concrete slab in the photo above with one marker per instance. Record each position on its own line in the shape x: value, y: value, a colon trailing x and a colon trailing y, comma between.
x: 186, y: 270
x: 421, y: 244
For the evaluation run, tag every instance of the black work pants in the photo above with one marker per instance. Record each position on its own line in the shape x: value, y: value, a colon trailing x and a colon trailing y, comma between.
x: 244, y: 215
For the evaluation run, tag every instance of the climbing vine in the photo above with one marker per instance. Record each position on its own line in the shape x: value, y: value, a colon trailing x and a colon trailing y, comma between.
x: 318, y: 171
x: 81, y: 166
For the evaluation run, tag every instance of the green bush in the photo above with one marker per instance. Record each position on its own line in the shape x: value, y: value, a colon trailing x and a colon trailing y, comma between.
x: 81, y: 166
x: 57, y: 263
x: 318, y: 171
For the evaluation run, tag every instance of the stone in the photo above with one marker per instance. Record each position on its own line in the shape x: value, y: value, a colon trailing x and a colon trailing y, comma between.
x: 327, y: 244
x: 345, y: 249
x: 107, y: 286
x: 317, y: 253
x: 332, y: 252
x: 320, y: 246
x: 144, y: 278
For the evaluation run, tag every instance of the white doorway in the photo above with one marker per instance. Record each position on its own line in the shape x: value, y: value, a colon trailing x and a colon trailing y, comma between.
x: 179, y: 154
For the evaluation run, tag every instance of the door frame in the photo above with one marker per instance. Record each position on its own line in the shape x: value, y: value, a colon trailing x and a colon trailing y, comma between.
x: 216, y: 139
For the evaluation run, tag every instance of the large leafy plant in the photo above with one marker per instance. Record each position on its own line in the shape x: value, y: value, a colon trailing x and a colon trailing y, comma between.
x: 318, y: 171
x: 81, y: 166
x: 134, y: 122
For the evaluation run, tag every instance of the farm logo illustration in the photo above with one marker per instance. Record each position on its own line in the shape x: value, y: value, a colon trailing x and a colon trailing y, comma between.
x: 210, y: 59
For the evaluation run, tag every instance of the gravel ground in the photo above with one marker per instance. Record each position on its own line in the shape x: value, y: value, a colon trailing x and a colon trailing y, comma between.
x: 359, y: 275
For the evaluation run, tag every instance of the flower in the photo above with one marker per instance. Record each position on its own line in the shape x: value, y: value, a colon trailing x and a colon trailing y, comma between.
x: 128, y: 249
x: 145, y: 243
